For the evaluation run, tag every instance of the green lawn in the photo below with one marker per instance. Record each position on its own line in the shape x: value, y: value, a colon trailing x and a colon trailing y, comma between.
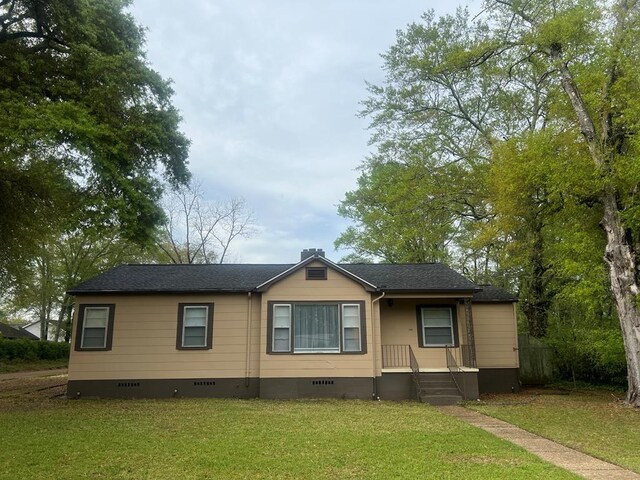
x: 592, y: 421
x: 230, y: 439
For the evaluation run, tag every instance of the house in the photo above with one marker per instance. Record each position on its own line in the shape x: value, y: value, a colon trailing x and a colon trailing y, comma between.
x: 11, y: 332
x: 310, y: 329
x: 34, y: 329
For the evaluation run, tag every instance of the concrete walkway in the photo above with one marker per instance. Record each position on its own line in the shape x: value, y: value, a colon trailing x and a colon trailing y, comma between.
x: 552, y: 452
x: 38, y: 373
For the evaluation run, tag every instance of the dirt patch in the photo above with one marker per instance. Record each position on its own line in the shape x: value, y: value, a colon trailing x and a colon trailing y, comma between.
x: 33, y: 388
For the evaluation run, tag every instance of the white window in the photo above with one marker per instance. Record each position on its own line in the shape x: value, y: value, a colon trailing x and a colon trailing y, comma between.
x: 194, y: 327
x: 281, y: 328
x: 325, y: 327
x: 95, y: 327
x: 437, y: 327
x: 351, y: 328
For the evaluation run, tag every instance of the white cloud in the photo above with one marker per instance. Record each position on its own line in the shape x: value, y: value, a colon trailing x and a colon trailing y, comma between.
x: 269, y: 93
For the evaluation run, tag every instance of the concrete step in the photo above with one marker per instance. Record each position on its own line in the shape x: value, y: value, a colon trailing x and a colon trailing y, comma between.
x: 439, y: 383
x: 440, y: 391
x: 435, y: 376
x: 441, y: 399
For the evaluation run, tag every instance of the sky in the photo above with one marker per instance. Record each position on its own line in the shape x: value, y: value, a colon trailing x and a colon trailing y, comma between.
x: 269, y: 93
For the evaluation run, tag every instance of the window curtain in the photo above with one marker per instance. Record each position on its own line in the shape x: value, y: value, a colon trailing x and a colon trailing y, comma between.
x: 316, y: 327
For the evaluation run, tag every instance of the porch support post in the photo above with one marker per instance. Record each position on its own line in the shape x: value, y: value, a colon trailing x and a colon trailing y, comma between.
x: 471, y: 340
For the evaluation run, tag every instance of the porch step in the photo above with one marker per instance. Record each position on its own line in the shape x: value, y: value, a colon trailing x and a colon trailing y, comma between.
x: 430, y: 390
x: 439, y: 388
x: 435, y: 376
x: 437, y: 384
x: 441, y: 399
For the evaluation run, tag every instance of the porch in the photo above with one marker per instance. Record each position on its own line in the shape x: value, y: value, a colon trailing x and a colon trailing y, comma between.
x: 404, y: 377
x: 400, y: 358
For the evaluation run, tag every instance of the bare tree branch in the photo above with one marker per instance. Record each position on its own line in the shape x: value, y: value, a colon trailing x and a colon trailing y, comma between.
x: 200, y: 231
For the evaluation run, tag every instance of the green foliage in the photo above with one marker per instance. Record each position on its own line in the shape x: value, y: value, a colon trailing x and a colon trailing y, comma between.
x: 63, y: 262
x: 86, y: 124
x: 403, y: 213
x: 419, y: 195
x: 585, y: 334
x: 594, y: 355
x: 23, y: 349
x: 478, y: 106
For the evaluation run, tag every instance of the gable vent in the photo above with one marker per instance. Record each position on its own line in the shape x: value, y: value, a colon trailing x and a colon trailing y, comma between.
x: 316, y: 273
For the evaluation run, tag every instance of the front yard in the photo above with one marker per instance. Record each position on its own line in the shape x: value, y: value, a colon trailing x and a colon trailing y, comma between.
x: 43, y: 437
x: 593, y: 421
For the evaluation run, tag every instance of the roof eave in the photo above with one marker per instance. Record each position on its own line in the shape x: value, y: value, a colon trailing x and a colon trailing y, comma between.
x: 157, y: 291
x: 467, y: 291
x: 495, y: 300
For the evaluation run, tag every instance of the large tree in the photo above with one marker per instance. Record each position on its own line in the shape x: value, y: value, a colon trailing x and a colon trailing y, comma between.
x: 590, y: 49
x: 85, y: 120
x: 524, y: 72
x: 436, y: 121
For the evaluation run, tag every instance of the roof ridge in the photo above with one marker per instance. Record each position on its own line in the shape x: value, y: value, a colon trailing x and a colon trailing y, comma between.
x: 402, y: 263
x: 201, y: 264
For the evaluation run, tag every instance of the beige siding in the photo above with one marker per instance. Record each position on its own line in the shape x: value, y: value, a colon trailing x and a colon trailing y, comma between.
x: 399, y: 325
x: 494, y: 331
x: 496, y: 335
x: 336, y: 287
x: 144, y: 340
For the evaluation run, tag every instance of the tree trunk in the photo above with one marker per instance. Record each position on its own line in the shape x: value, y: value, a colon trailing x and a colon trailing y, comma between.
x: 67, y: 323
x: 61, y: 316
x: 622, y: 270
x: 618, y: 252
x: 534, y: 294
x: 43, y: 323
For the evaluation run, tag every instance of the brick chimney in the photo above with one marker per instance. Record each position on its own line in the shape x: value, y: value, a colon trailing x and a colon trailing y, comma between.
x: 311, y: 252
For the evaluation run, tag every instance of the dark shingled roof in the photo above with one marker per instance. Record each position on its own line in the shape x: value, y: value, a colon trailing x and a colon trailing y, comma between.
x: 413, y: 276
x: 434, y: 277
x: 490, y: 293
x: 181, y: 278
x: 8, y: 331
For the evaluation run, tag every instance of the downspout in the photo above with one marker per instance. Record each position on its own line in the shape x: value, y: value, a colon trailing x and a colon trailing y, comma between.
x: 248, y: 356
x: 375, y: 345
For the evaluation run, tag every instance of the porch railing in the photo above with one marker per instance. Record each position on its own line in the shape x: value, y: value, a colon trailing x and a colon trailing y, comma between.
x: 463, y: 356
x: 396, y: 356
x: 459, y: 378
x: 415, y: 372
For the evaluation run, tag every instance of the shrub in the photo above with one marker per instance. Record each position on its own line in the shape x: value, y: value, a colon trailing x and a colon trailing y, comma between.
x: 22, y: 349
x: 594, y: 355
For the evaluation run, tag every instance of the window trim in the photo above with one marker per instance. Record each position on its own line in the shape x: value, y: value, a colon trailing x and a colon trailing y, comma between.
x: 342, y: 327
x: 270, y: 330
x: 290, y: 327
x: 111, y: 307
x: 208, y: 329
x: 454, y: 325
